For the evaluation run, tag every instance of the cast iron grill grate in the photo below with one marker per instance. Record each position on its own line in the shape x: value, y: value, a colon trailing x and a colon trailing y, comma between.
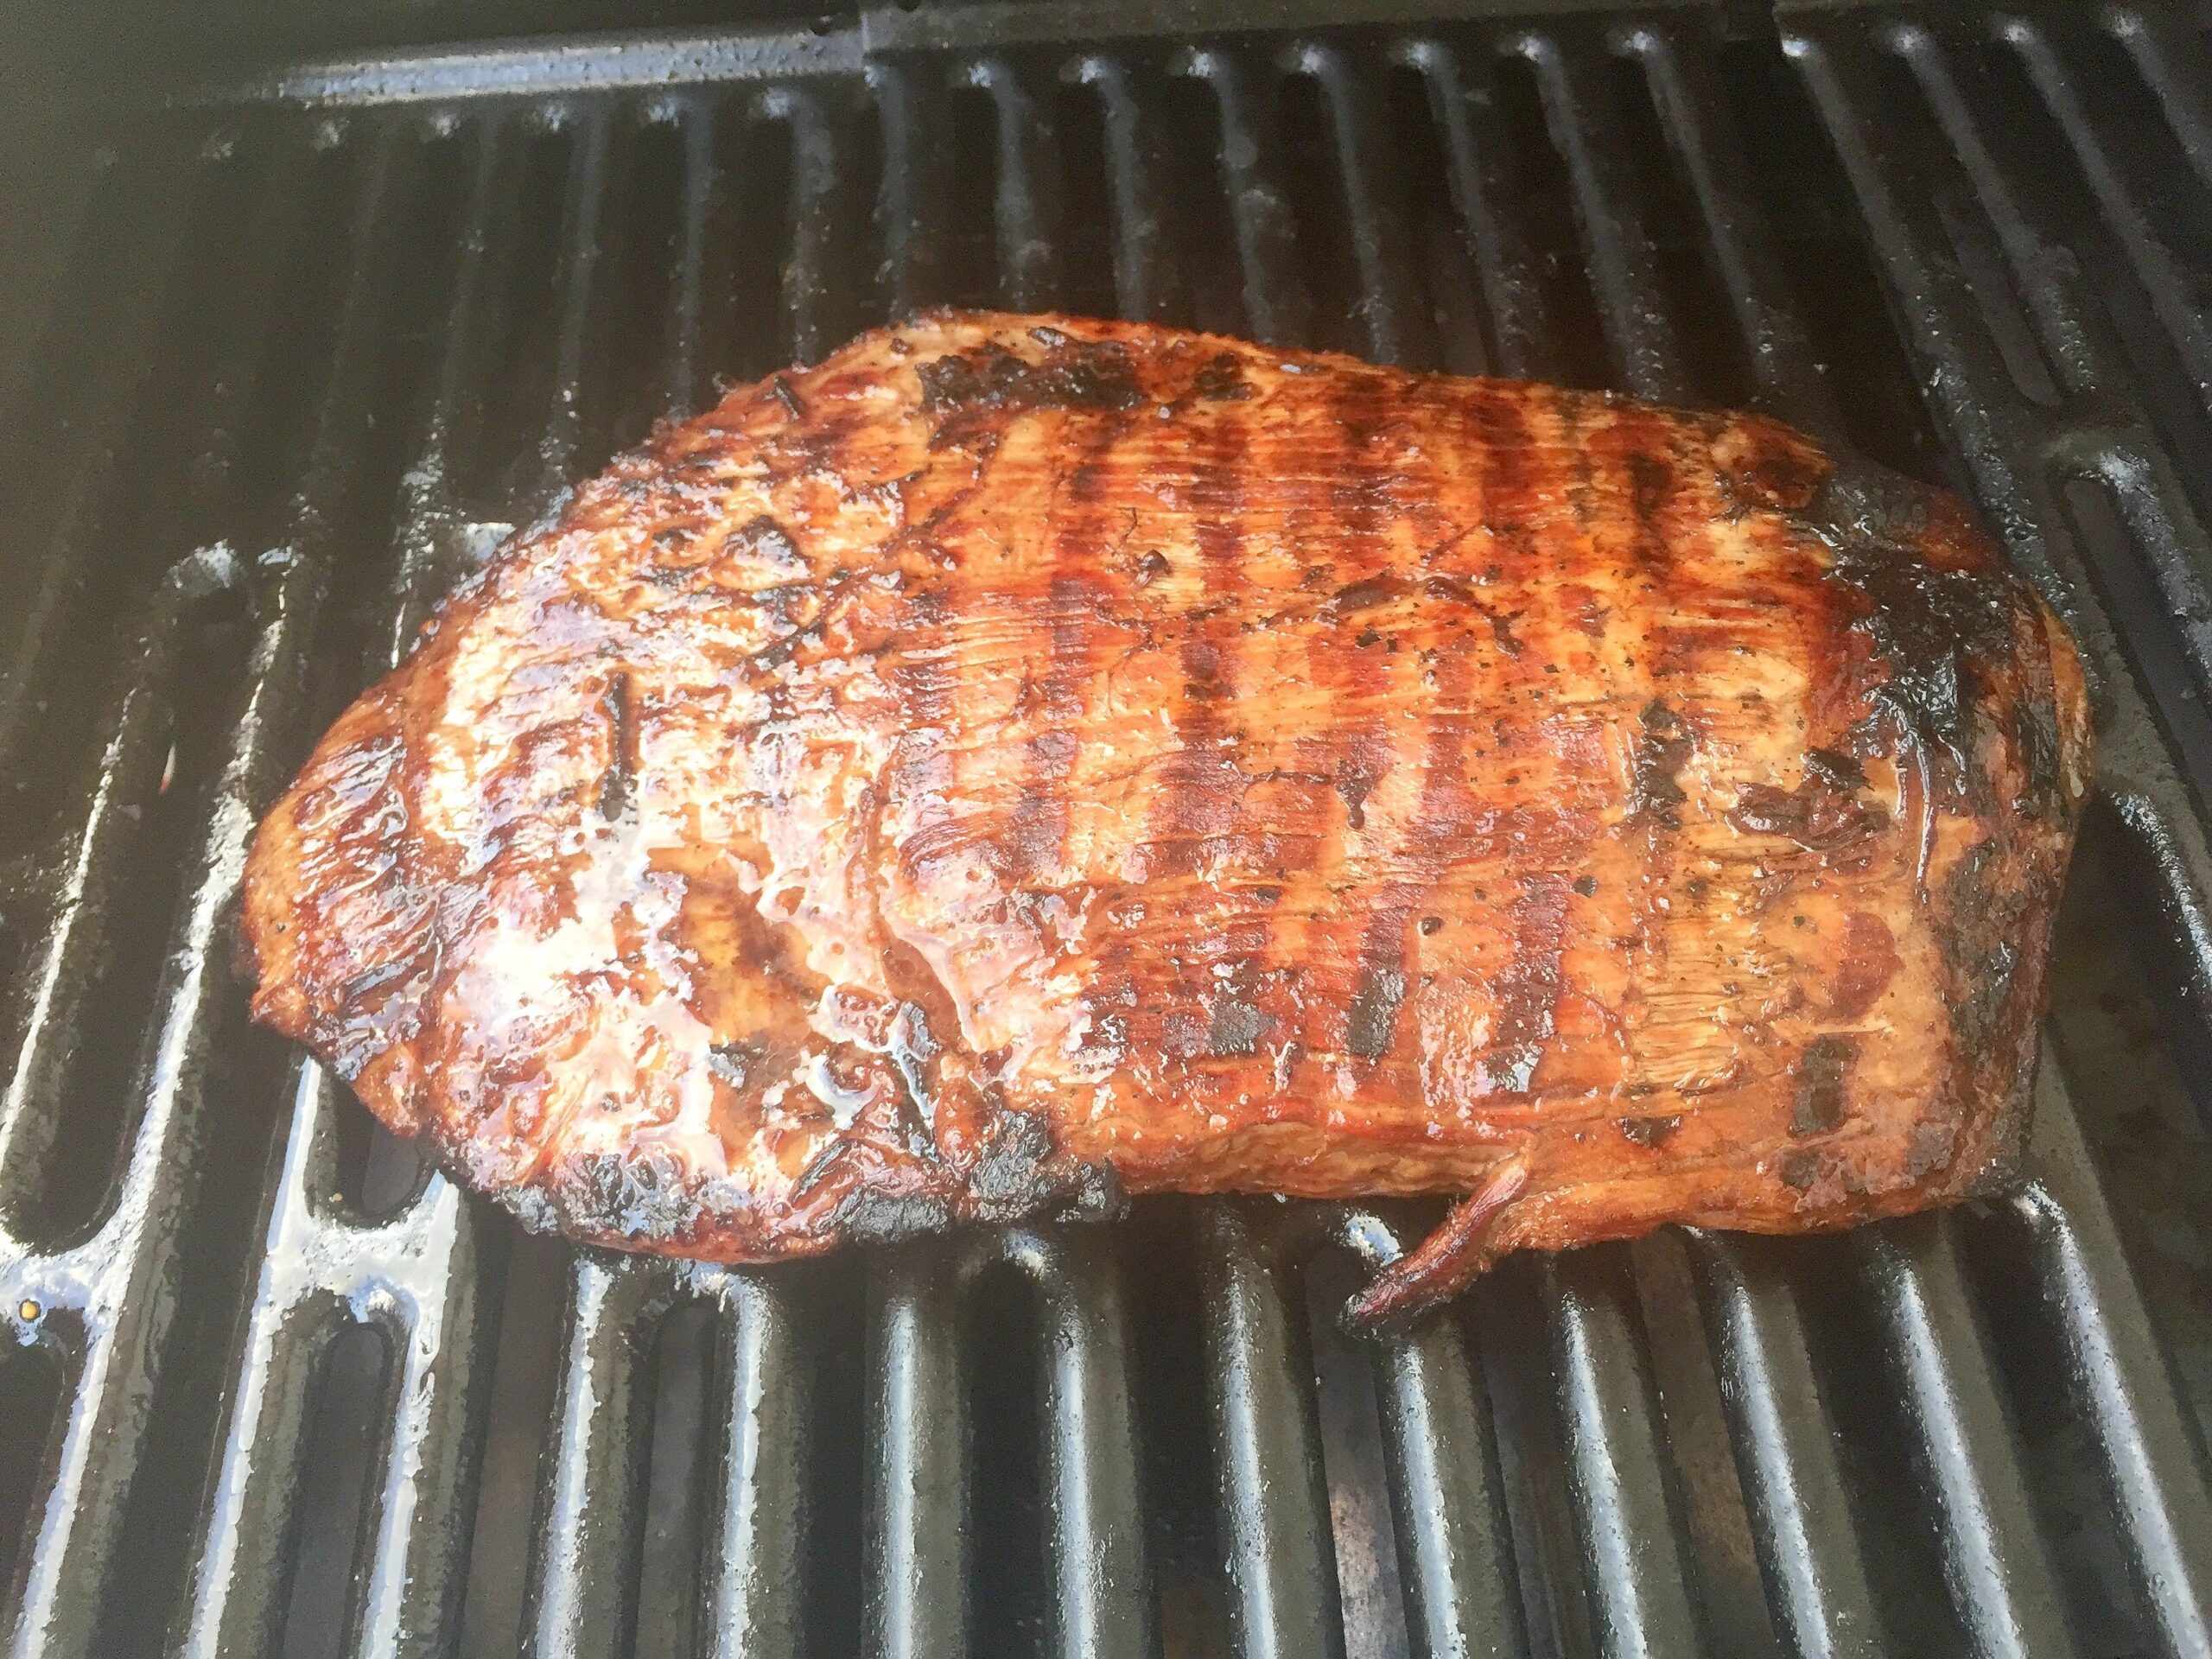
x: 292, y: 350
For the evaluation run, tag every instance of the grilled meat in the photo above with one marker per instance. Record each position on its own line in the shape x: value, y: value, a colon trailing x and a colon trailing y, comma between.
x: 1024, y: 759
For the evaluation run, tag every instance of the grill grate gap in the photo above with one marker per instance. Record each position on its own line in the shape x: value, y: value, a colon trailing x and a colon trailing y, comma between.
x: 754, y: 178
x: 1367, y: 1584
x: 146, y: 475
x: 969, y: 268
x: 1506, y: 1319
x: 2065, y: 1473
x: 1806, y: 203
x: 32, y: 1383
x: 683, y: 1453
x: 1313, y: 177
x: 1697, y: 311
x: 643, y: 264
x: 1010, y: 1609
x: 96, y: 1106
x: 1542, y: 194
x: 2077, y: 240
x: 1440, y: 239
x: 499, y: 468
x: 518, y: 1406
x: 1087, y: 242
x: 1201, y: 239
x: 2119, y: 1017
x: 1872, y: 1437
x: 339, y: 1456
x: 837, y: 1401
x: 1179, y: 1473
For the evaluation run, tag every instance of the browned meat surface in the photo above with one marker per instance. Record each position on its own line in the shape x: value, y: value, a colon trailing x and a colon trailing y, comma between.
x: 1023, y: 759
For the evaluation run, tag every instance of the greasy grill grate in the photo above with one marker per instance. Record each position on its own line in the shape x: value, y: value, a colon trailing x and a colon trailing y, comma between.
x: 278, y: 1390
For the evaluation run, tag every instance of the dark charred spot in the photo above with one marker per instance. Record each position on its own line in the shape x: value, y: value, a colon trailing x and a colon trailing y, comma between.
x: 733, y: 1063
x: 868, y: 1214
x: 1077, y: 374
x: 1373, y: 1015
x: 1047, y: 336
x: 1798, y: 1168
x: 1221, y: 381
x: 1650, y: 482
x: 1586, y: 886
x: 1368, y: 636
x: 1820, y: 814
x: 618, y: 784
x: 1928, y: 1149
x: 1238, y: 1026
x: 1430, y: 924
x: 2035, y: 731
x: 1151, y: 567
x: 764, y: 538
x: 636, y: 1194
x: 1184, y: 1033
x: 1835, y: 769
x: 1979, y: 931
x: 1367, y: 594
x: 1663, y: 750
x: 1353, y: 786
x: 1649, y: 1132
x: 1819, y: 1100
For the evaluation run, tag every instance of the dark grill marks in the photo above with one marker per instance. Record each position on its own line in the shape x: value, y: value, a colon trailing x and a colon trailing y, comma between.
x: 1360, y: 741
x: 1527, y: 991
x: 618, y: 786
x: 1039, y: 830
x: 1204, y: 786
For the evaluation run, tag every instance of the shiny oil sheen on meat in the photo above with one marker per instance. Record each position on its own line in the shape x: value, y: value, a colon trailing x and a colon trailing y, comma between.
x: 1020, y: 760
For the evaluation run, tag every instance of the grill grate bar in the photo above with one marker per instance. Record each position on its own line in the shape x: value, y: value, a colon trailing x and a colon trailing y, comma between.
x: 757, y: 1605
x: 1274, y: 1509
x: 2092, y: 439
x: 36, y: 626
x: 2119, y: 1374
x: 918, y: 1501
x: 414, y: 1276
x: 1144, y: 275
x: 108, y: 1284
x: 1995, y: 1563
x: 416, y: 1273
x: 2161, y: 274
x: 2164, y: 62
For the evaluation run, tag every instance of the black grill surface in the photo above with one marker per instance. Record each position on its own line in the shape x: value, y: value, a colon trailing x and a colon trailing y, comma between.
x: 282, y: 354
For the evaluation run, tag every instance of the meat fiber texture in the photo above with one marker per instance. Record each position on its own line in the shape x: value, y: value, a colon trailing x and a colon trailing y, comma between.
x: 1022, y: 760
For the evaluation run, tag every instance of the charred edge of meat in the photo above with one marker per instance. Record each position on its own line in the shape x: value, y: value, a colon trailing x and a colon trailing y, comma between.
x: 1932, y: 626
x: 1222, y: 380
x: 991, y: 380
x: 1022, y: 1172
x: 1820, y: 1100
x: 1980, y: 937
